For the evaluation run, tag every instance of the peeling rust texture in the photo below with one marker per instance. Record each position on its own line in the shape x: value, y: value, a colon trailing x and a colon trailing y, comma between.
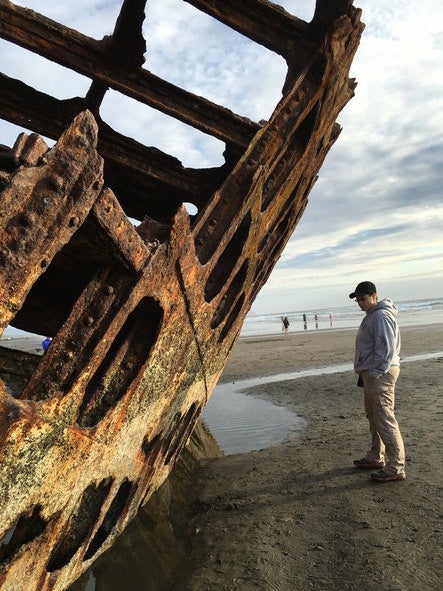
x: 143, y: 317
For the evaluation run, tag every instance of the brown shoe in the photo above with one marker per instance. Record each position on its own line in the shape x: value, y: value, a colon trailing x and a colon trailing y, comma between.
x: 365, y: 464
x: 382, y: 476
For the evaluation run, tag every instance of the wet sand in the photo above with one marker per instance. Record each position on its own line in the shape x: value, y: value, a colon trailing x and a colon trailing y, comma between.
x: 28, y: 344
x: 298, y: 515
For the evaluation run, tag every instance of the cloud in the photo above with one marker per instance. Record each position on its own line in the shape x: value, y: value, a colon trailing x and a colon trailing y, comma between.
x: 194, y: 51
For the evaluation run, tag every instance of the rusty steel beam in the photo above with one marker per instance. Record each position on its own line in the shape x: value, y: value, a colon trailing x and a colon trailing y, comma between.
x: 127, y: 43
x: 88, y: 57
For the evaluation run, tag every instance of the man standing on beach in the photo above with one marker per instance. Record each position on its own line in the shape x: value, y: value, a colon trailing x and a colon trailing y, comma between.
x: 377, y: 362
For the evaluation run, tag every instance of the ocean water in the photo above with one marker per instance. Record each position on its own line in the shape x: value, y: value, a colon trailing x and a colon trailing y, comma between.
x: 410, y: 313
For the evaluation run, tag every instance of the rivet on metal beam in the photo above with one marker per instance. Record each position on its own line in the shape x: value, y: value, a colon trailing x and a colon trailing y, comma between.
x: 27, y: 218
x: 74, y: 221
x: 5, y: 253
x: 55, y: 182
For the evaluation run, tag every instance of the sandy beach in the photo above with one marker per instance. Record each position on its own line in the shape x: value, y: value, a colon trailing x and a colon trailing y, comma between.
x: 298, y: 515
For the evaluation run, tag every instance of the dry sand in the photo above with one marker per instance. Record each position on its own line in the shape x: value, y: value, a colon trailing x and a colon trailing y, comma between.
x: 297, y: 515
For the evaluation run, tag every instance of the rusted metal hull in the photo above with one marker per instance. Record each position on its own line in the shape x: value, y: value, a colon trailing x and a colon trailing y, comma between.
x: 144, y: 318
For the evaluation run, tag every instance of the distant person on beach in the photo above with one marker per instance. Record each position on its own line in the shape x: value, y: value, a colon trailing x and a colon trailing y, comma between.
x: 285, y: 324
x: 377, y: 362
x: 305, y: 322
x: 316, y: 320
x: 46, y: 343
x: 330, y: 320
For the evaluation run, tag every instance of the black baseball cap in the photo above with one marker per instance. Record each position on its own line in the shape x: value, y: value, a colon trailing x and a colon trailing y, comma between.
x: 363, y: 288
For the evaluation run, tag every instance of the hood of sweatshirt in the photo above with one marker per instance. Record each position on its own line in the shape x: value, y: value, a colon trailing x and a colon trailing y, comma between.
x: 385, y: 304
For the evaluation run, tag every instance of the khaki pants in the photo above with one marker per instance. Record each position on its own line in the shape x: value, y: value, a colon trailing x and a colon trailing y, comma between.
x: 379, y: 407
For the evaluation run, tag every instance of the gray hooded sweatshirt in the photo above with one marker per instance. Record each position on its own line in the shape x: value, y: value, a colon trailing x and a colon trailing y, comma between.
x: 377, y: 345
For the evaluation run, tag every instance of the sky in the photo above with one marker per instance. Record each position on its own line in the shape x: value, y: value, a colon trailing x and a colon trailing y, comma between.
x: 376, y: 211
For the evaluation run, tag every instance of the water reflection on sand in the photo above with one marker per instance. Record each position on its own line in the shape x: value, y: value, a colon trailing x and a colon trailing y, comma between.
x: 242, y: 423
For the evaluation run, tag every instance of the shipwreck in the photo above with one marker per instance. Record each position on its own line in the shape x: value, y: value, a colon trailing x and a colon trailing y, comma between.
x: 143, y: 315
